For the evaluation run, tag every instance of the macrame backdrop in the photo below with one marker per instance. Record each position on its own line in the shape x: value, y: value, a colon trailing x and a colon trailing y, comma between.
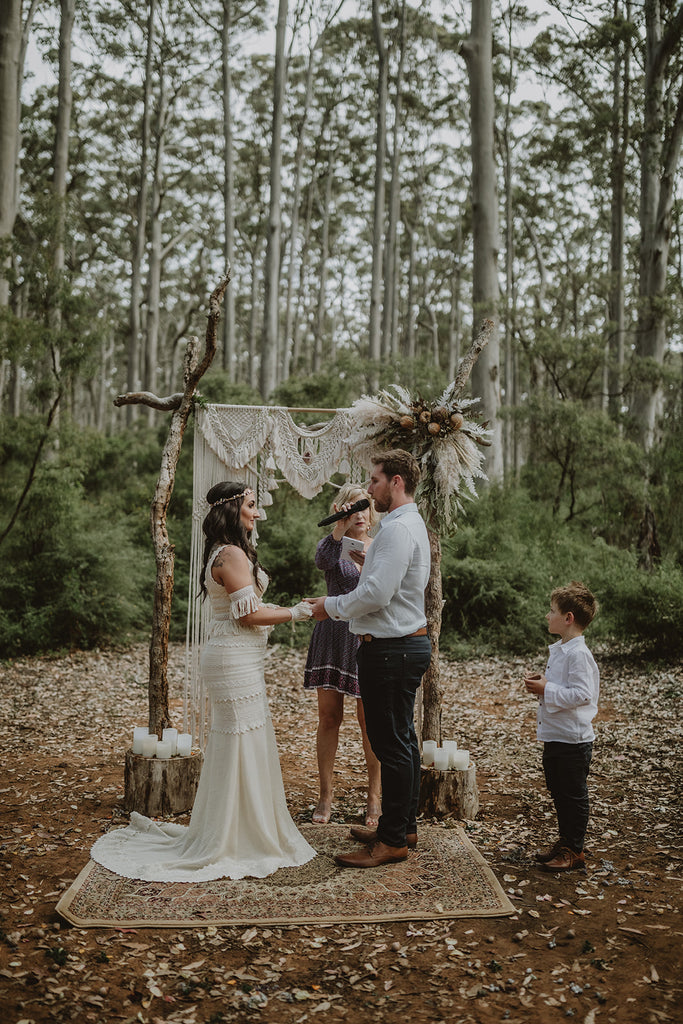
x: 251, y: 443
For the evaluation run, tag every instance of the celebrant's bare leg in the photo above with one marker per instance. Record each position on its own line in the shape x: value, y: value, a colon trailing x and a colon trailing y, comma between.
x: 374, y: 805
x: 330, y: 715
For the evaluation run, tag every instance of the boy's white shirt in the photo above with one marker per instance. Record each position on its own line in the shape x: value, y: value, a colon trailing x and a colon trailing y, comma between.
x: 569, y: 703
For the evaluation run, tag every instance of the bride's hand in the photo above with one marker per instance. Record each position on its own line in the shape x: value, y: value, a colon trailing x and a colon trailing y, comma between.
x: 302, y: 610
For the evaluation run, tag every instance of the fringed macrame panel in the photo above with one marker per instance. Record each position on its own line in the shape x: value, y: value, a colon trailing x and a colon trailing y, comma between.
x: 251, y: 444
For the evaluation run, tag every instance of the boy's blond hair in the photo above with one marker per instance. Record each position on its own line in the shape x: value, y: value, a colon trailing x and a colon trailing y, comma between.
x: 577, y: 599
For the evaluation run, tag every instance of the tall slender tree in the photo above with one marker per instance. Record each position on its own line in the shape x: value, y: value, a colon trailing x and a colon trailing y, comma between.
x: 477, y: 51
x: 662, y: 135
x: 271, y: 317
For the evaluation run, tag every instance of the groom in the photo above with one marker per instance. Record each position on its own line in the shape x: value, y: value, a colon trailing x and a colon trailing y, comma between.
x: 386, y: 610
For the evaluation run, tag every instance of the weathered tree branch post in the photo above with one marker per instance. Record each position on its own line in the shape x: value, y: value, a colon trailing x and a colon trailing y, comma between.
x: 146, y: 786
x: 444, y: 791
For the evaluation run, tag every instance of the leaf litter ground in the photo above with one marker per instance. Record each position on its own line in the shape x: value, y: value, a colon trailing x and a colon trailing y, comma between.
x: 599, y: 946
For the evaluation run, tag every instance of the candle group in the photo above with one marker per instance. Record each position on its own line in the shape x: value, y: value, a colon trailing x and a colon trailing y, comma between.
x: 171, y: 744
x: 445, y: 757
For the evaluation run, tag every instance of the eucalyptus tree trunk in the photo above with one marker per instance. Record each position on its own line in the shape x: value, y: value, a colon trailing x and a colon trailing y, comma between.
x: 13, y: 44
x: 378, y: 219
x: 133, y: 372
x: 155, y: 253
x: 228, y: 194
x: 389, y: 310
x: 319, y: 324
x: 300, y: 312
x: 620, y: 141
x: 409, y: 337
x: 269, y: 337
x: 60, y: 165
x: 294, y: 272
x: 10, y: 92
x: 508, y: 426
x: 477, y: 51
x: 252, y: 369
x: 660, y: 152
x: 61, y: 146
x: 455, y: 312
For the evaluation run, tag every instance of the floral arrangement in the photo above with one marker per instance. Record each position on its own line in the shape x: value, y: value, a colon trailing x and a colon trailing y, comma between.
x: 446, y: 443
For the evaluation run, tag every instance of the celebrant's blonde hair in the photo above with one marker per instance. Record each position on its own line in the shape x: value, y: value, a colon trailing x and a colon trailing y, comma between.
x: 352, y: 493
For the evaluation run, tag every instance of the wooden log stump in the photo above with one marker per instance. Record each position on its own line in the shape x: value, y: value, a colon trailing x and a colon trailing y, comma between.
x: 156, y: 787
x: 449, y: 794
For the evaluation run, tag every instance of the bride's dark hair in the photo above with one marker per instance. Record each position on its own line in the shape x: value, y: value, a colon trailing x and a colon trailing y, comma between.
x: 223, y: 525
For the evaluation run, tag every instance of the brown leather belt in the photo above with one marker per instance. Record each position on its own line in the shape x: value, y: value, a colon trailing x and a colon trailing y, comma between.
x: 367, y: 637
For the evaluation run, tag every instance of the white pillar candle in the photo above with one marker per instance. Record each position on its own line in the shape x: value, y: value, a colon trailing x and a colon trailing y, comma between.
x: 451, y: 746
x: 163, y: 750
x: 461, y: 760
x: 139, y: 733
x: 149, y: 744
x: 428, y: 748
x: 171, y: 736
x: 184, y: 744
x: 441, y: 759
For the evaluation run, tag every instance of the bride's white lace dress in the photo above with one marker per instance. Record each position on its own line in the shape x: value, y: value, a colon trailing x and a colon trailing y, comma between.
x: 240, y: 824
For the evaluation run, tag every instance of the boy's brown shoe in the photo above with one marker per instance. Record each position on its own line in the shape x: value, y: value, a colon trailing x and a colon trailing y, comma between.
x: 546, y: 853
x: 565, y: 860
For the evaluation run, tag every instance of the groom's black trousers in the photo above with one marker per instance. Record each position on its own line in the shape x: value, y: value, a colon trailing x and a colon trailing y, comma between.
x: 389, y: 673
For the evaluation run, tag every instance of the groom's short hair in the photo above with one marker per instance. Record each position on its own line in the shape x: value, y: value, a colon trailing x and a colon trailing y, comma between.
x: 397, y: 462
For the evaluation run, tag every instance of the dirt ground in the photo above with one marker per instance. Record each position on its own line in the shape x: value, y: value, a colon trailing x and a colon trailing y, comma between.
x: 599, y: 946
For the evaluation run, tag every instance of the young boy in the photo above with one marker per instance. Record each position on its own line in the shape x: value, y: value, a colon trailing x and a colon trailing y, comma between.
x: 567, y: 704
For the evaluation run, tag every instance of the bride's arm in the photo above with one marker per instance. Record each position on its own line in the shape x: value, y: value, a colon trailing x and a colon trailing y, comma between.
x: 232, y: 568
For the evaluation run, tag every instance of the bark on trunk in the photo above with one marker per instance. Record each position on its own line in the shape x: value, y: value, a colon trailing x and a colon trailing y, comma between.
x: 389, y: 311
x: 450, y: 794
x: 60, y: 168
x: 269, y: 340
x: 432, y: 690
x: 616, y: 307
x: 319, y: 326
x: 228, y: 194
x: 379, y: 189
x: 134, y: 360
x: 660, y: 152
x: 294, y: 273
x: 155, y: 250
x: 156, y: 788
x: 477, y: 51
x: 10, y: 87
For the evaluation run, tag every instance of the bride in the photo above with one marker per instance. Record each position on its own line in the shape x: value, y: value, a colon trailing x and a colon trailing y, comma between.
x: 240, y: 824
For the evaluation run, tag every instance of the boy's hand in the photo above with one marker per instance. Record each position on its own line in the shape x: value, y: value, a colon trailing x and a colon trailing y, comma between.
x: 534, y: 682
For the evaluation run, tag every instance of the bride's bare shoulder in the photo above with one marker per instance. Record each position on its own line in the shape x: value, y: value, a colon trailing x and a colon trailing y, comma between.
x: 228, y: 561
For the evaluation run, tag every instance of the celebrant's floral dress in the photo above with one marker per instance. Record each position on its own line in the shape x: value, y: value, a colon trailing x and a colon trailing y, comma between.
x: 331, y: 661
x: 240, y: 824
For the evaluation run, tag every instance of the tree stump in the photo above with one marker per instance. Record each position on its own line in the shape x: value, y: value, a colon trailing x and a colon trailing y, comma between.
x: 156, y: 787
x: 449, y: 794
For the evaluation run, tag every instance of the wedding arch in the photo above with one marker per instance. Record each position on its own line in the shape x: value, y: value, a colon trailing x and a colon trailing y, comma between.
x: 253, y: 443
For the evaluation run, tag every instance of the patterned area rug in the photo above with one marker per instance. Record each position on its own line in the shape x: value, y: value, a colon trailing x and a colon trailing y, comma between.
x: 446, y: 877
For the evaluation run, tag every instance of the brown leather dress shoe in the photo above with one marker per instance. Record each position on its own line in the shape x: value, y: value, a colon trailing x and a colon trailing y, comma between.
x: 369, y: 835
x: 378, y: 854
x: 544, y: 854
x: 565, y: 860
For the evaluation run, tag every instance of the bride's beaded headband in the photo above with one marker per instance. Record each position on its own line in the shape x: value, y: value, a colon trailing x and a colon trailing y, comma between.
x: 233, y: 497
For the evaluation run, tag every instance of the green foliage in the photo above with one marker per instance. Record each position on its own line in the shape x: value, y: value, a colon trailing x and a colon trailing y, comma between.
x: 74, y: 572
x: 499, y: 570
x: 582, y: 468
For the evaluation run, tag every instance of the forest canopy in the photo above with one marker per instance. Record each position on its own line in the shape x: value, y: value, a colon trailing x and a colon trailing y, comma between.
x: 378, y: 177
